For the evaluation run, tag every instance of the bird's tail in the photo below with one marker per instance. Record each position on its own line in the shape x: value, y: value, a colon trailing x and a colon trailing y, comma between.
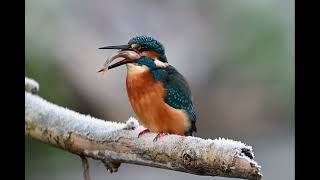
x: 193, y: 129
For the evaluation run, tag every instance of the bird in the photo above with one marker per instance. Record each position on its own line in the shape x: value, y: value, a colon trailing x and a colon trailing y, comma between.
x: 159, y: 95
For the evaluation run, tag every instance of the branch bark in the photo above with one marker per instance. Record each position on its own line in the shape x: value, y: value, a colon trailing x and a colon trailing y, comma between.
x: 115, y: 143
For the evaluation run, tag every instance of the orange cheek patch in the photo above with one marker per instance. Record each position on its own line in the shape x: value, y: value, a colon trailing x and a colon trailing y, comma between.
x: 151, y: 54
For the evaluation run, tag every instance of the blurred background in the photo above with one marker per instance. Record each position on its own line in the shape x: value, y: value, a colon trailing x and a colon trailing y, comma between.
x: 238, y: 57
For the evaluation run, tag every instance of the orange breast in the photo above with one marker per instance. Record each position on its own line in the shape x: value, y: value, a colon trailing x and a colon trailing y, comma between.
x: 147, y: 100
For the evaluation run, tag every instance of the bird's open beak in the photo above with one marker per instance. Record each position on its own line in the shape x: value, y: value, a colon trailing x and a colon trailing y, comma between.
x: 123, y: 47
x: 125, y: 51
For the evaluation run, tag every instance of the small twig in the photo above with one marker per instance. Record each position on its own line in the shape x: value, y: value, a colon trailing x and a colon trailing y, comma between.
x: 85, y: 166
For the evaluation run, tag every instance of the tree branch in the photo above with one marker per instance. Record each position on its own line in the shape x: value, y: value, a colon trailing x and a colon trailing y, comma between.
x: 114, y: 143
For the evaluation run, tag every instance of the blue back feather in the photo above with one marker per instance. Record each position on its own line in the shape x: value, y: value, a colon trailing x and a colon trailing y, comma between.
x: 178, y: 91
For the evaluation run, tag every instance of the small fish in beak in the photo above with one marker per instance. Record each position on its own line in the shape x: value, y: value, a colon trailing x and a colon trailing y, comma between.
x: 105, y: 66
x: 128, y: 55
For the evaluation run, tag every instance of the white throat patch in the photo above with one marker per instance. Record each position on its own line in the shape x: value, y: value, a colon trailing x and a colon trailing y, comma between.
x: 135, y: 69
x: 160, y: 64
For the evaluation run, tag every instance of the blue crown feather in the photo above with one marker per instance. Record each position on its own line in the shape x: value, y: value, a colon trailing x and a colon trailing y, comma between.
x: 149, y: 42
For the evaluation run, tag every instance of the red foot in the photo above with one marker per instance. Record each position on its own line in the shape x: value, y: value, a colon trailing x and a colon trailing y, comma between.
x: 143, y: 132
x: 159, y: 135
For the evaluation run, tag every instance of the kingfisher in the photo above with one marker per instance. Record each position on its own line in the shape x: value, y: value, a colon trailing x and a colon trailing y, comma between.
x: 159, y: 95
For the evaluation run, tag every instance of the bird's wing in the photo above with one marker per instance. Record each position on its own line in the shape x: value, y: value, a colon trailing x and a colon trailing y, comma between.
x: 178, y: 92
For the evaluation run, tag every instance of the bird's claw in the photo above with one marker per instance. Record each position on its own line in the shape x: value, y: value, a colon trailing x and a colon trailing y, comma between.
x: 143, y: 132
x: 159, y: 135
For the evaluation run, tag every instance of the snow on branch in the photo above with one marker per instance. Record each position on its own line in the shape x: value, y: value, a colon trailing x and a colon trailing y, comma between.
x: 115, y: 143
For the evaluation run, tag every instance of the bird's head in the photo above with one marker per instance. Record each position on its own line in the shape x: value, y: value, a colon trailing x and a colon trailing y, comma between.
x: 135, y: 51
